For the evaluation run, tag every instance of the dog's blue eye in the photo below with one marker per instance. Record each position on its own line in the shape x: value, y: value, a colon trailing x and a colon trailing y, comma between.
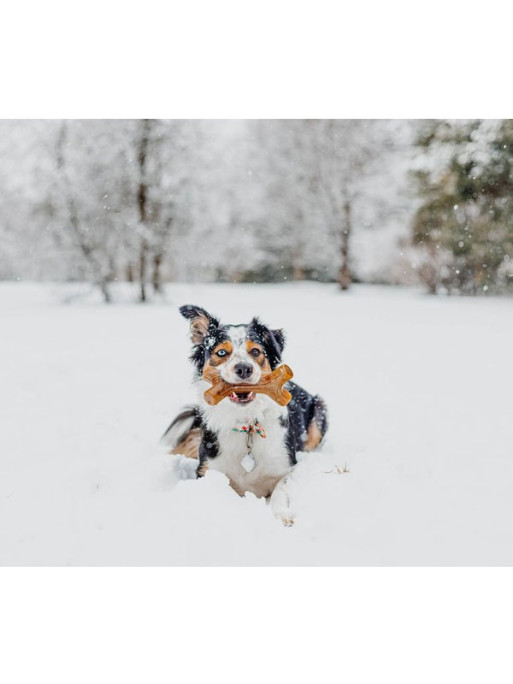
x: 255, y: 352
x: 222, y: 352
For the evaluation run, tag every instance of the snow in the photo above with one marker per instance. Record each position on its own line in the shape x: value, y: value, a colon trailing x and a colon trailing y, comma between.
x: 417, y: 468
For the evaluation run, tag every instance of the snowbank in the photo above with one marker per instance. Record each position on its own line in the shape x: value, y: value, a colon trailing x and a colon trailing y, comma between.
x: 417, y: 468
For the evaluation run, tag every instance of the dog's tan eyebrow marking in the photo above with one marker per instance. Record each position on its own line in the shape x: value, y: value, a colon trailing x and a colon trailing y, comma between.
x: 226, y: 345
x: 251, y: 346
x: 262, y: 359
x: 218, y: 360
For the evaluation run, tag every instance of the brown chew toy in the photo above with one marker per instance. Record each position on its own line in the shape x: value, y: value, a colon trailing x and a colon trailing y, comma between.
x: 270, y: 384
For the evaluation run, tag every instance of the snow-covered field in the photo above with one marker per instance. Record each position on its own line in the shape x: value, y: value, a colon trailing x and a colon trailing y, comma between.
x: 417, y: 469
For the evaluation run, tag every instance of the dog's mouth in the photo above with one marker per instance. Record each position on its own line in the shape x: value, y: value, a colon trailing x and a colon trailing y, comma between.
x: 242, y: 397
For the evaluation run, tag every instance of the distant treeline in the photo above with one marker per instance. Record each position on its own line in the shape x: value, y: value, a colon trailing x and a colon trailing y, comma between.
x: 152, y: 201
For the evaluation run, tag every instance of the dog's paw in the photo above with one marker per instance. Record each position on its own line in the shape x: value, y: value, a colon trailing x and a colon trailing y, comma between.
x: 287, y: 520
x: 281, y: 504
x: 182, y: 467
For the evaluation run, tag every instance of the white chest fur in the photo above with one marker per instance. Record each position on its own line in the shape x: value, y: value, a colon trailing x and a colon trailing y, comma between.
x: 269, y: 453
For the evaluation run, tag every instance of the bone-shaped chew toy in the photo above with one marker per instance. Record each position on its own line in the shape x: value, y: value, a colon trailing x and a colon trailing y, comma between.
x: 270, y: 384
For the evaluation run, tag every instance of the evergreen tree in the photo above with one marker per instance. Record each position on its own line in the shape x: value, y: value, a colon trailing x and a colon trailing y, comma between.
x: 464, y: 226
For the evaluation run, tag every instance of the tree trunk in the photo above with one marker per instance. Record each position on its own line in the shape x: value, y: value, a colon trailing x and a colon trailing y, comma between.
x: 104, y: 287
x: 142, y: 202
x: 429, y: 272
x: 80, y: 238
x: 142, y: 272
x: 156, y: 275
x: 298, y: 272
x: 344, y: 275
x: 298, y: 267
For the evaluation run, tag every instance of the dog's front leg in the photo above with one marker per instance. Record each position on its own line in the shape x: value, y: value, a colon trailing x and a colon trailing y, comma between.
x: 279, y: 501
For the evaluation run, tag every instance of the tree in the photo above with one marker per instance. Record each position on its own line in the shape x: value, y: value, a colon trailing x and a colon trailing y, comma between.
x: 108, y: 205
x: 344, y: 151
x: 315, y: 174
x: 79, y: 233
x: 283, y: 165
x: 464, y: 227
x: 155, y: 200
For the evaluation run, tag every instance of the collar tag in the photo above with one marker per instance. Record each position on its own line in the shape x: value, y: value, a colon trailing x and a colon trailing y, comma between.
x: 248, y: 462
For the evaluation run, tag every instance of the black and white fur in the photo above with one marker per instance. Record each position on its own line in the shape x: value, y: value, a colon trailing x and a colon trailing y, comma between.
x: 288, y: 429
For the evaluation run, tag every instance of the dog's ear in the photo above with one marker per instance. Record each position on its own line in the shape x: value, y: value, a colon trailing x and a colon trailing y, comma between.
x: 273, y: 340
x: 279, y: 336
x: 202, y: 323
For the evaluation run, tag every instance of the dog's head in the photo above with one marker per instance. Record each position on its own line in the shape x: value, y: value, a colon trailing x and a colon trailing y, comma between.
x: 240, y: 353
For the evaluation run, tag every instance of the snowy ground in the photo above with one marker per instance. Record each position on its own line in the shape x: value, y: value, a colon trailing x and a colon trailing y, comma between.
x: 419, y: 392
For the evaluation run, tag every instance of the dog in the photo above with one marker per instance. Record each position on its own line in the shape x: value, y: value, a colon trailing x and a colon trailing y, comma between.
x: 246, y: 436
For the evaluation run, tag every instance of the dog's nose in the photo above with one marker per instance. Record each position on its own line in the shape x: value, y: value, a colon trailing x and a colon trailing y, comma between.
x: 243, y: 370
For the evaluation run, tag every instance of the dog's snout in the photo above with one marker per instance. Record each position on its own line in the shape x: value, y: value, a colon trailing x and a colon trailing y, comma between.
x: 243, y: 370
